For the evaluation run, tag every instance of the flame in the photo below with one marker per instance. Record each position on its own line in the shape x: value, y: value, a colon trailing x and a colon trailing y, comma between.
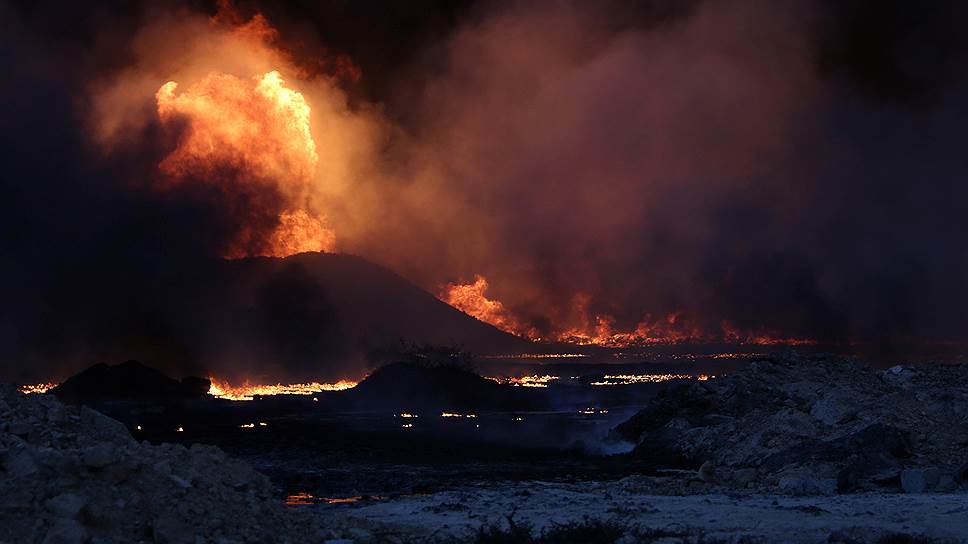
x: 629, y: 379
x: 244, y: 134
x: 471, y: 299
x: 527, y: 381
x: 588, y: 328
x: 37, y: 388
x: 223, y: 390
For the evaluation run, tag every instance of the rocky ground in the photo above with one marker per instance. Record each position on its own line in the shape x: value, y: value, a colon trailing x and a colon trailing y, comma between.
x: 818, y: 425
x: 787, y: 450
x: 72, y: 475
x: 630, y: 511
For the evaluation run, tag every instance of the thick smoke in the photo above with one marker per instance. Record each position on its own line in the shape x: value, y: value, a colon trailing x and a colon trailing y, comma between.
x: 781, y: 167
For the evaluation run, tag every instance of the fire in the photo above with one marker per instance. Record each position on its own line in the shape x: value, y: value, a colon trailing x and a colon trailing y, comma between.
x: 585, y: 327
x: 37, y: 388
x: 224, y: 390
x: 471, y: 299
x: 629, y: 379
x: 455, y: 414
x: 527, y: 381
x: 247, y: 135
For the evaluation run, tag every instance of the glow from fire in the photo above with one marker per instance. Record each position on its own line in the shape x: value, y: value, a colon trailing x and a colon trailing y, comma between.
x: 37, y: 388
x: 223, y: 390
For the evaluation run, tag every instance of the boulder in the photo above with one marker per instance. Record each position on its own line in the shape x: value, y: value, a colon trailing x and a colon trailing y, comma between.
x: 919, y: 480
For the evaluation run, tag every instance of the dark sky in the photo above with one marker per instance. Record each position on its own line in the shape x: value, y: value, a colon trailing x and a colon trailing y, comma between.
x: 790, y: 166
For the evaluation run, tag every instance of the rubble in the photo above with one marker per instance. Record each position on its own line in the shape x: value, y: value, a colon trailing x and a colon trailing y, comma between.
x: 814, y: 426
x: 71, y: 475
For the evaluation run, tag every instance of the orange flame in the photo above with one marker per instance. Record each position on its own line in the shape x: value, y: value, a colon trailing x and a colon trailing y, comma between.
x: 471, y: 299
x: 224, y: 390
x: 255, y: 131
x: 588, y: 328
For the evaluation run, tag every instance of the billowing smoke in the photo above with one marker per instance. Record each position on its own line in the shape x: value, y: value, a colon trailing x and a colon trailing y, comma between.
x: 603, y: 172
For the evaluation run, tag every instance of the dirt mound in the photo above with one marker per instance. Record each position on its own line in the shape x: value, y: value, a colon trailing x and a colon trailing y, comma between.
x: 129, y: 380
x: 70, y: 474
x: 813, y: 425
x: 409, y: 386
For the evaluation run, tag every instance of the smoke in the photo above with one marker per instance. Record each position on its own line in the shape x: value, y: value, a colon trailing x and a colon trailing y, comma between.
x: 772, y: 168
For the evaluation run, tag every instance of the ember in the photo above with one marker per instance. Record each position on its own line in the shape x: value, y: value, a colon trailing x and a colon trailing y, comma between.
x: 37, y: 388
x: 627, y: 379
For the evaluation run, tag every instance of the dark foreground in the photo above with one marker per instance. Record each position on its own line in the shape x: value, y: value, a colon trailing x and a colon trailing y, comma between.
x: 786, y: 450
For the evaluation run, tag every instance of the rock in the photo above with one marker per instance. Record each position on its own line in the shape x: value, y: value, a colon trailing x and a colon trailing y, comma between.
x: 66, y: 505
x: 808, y: 486
x: 707, y: 472
x: 919, y: 480
x: 99, y: 456
x: 744, y: 476
x: 21, y: 465
x: 831, y: 410
x: 66, y: 531
x: 171, y: 530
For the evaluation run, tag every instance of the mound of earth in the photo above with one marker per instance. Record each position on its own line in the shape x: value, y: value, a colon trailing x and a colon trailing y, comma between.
x: 816, y: 425
x: 406, y: 386
x: 129, y: 380
x: 71, y: 475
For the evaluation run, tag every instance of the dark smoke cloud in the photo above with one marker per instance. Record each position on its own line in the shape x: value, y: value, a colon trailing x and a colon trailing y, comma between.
x: 790, y: 165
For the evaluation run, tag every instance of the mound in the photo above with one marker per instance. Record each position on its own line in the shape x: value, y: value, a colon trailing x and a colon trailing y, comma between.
x: 409, y: 386
x: 308, y: 316
x: 72, y: 475
x: 129, y: 380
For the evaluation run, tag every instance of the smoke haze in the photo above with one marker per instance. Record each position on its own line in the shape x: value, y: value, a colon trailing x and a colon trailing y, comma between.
x: 782, y: 168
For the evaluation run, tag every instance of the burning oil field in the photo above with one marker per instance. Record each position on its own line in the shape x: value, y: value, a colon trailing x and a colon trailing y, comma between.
x: 483, y: 271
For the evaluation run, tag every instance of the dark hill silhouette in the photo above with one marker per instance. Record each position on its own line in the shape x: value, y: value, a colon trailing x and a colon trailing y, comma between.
x: 406, y: 386
x: 129, y: 380
x: 305, y: 317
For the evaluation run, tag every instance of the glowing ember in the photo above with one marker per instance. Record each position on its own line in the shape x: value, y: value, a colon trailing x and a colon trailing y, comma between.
x: 224, y: 390
x: 628, y: 379
x: 407, y: 415
x: 37, y: 388
x: 527, y: 381
x: 454, y: 414
x: 306, y: 499
x: 590, y: 411
x: 407, y: 425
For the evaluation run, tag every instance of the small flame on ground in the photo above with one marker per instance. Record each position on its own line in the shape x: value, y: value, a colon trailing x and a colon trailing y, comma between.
x: 37, y: 388
x: 628, y: 379
x: 308, y: 499
x: 454, y: 414
x: 223, y: 390
x: 527, y: 381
